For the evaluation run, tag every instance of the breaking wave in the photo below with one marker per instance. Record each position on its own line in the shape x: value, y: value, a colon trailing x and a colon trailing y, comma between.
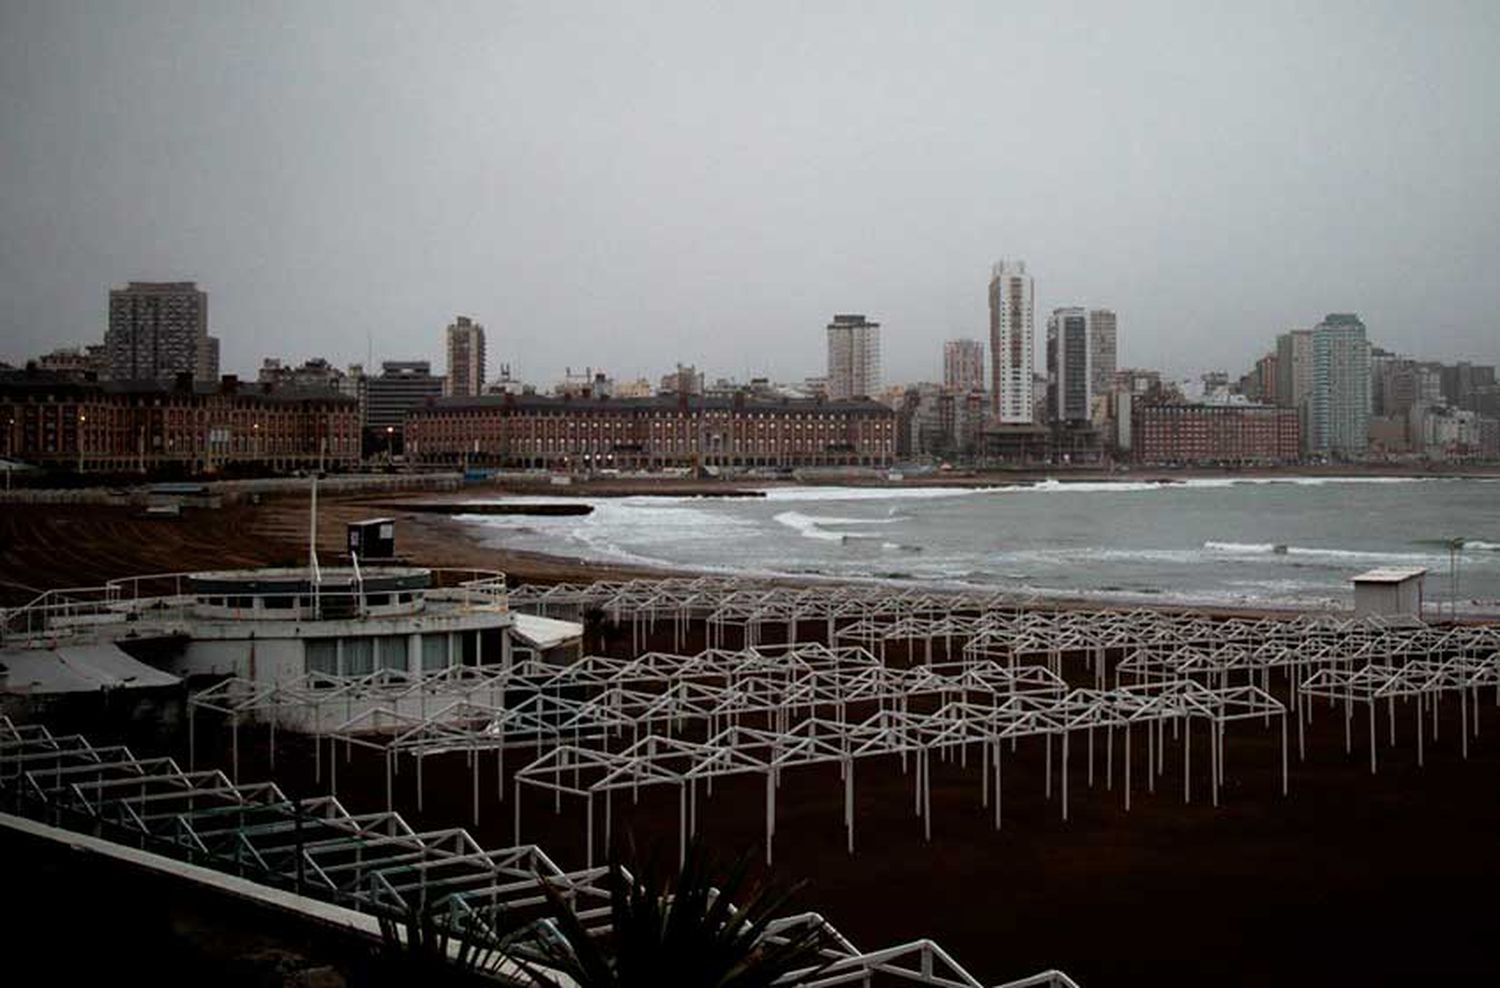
x: 1271, y: 548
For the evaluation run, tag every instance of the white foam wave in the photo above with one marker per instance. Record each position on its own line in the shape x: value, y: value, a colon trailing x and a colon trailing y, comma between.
x: 831, y: 520
x: 1053, y: 485
x: 1077, y: 557
x: 1094, y: 486
x: 868, y: 493
x: 1241, y: 548
x: 807, y: 526
x: 1268, y: 548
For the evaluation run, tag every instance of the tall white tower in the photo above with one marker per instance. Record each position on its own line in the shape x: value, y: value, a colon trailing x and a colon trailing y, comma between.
x: 853, y: 357
x: 1012, y: 344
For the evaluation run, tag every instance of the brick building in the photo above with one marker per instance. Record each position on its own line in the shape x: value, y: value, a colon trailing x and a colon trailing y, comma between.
x: 1214, y: 433
x: 534, y: 431
x: 49, y: 419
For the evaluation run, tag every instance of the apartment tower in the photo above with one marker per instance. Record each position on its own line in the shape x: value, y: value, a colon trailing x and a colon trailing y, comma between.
x: 853, y: 357
x: 158, y: 330
x: 1069, y: 366
x: 1294, y: 377
x: 1340, y: 403
x: 963, y: 366
x: 1012, y: 344
x: 1102, y: 350
x: 465, y: 359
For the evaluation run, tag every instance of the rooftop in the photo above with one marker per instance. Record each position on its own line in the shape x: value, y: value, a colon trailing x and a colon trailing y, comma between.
x: 1390, y: 574
x: 662, y: 402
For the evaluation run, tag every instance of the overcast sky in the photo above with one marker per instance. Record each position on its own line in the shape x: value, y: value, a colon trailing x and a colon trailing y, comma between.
x: 628, y: 185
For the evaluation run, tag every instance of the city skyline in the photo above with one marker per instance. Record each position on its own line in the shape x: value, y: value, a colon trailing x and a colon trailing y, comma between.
x: 592, y: 209
x: 72, y: 354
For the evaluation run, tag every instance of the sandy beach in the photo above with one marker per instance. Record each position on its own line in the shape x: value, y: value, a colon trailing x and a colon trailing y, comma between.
x: 1264, y: 889
x: 49, y: 546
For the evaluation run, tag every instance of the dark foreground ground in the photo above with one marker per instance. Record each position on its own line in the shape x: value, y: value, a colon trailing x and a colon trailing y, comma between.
x: 73, y: 918
x: 1351, y: 879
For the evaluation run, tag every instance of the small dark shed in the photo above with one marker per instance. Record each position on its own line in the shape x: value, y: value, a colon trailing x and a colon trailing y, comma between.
x: 373, y: 539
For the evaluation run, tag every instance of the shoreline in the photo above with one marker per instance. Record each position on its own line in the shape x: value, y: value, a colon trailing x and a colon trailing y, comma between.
x: 49, y: 546
x: 541, y: 485
x: 457, y: 532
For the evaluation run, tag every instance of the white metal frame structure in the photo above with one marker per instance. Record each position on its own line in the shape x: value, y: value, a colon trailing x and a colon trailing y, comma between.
x: 606, y: 724
x: 372, y: 863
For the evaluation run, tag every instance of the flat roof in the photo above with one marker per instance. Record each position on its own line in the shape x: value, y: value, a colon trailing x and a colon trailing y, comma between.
x: 77, y: 669
x: 1390, y: 574
x: 545, y: 633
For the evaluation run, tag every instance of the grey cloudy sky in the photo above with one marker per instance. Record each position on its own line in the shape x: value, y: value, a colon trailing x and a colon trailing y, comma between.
x: 628, y: 185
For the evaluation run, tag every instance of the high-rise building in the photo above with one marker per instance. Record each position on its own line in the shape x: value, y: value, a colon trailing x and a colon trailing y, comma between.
x: 403, y: 386
x: 1266, y: 376
x: 1294, y: 368
x: 1012, y: 344
x: 853, y: 357
x: 1102, y: 350
x: 158, y: 330
x: 1340, y: 401
x: 1069, y: 375
x: 1467, y: 385
x: 963, y: 365
x: 465, y: 359
x: 1294, y: 377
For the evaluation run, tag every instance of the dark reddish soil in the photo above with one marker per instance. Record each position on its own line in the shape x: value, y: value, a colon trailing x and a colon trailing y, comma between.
x: 1351, y: 879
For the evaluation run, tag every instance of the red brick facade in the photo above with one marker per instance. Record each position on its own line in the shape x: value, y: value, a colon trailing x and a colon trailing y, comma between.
x: 45, y: 419
x: 1180, y: 433
x: 646, y: 433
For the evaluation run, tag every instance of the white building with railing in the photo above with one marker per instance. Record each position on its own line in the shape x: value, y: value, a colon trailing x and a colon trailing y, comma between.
x: 273, y: 626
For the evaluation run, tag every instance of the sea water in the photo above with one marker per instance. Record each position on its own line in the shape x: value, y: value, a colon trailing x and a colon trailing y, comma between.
x: 1284, y: 542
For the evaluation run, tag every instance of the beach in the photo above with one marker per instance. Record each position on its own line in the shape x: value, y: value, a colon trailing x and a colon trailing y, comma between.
x: 1262, y: 889
x: 910, y: 532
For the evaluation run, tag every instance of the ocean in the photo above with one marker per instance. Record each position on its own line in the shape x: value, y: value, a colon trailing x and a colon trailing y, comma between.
x: 1282, y: 542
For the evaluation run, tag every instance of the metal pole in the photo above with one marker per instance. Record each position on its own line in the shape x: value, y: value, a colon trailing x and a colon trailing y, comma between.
x: 1065, y: 775
x: 997, y: 783
x: 1284, y: 776
x: 849, y: 801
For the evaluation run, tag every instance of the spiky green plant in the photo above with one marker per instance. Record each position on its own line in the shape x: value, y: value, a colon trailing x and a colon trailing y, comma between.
x: 695, y: 933
x: 418, y: 947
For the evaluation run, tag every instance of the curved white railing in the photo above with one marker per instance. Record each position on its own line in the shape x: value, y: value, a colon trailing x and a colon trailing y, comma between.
x: 62, y: 612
